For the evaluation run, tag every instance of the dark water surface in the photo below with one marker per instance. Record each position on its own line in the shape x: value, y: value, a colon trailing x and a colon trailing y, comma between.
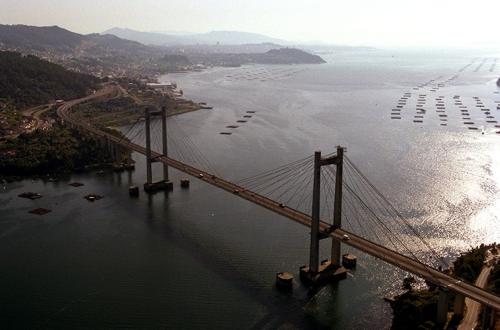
x: 202, y: 258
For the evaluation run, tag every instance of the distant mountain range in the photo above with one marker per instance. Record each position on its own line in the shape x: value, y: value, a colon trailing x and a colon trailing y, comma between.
x: 111, y: 55
x: 210, y: 38
x: 54, y: 39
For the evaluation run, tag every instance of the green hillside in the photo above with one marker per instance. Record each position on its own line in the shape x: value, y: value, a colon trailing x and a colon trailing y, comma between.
x: 29, y: 81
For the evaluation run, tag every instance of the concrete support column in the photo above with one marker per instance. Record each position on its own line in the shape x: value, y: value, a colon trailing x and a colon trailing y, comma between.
x: 314, y: 248
x: 459, y: 304
x: 106, y: 144
x: 110, y: 147
x: 442, y: 310
x: 114, y: 152
x: 488, y: 318
x: 337, y: 209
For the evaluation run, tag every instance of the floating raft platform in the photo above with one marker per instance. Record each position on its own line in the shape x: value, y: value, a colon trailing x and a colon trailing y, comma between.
x: 225, y: 133
x: 30, y: 195
x: 232, y: 126
x: 40, y: 211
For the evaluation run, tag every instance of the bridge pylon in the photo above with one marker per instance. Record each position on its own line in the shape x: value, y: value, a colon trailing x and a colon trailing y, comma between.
x: 164, y: 141
x: 337, y: 206
x: 165, y: 184
x: 327, y: 270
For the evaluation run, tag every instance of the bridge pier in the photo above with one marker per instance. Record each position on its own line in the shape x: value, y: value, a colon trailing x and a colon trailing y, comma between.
x: 488, y: 318
x: 328, y: 270
x: 459, y: 304
x: 442, y: 308
x: 150, y: 186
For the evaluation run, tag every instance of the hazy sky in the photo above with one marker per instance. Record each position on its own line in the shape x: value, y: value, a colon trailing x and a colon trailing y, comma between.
x: 368, y: 22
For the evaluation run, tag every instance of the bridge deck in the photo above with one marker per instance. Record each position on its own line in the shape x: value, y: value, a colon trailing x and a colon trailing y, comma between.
x: 401, y: 261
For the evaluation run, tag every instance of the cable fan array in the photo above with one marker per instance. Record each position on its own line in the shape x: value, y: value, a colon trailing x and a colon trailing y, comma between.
x: 180, y: 145
x: 366, y: 211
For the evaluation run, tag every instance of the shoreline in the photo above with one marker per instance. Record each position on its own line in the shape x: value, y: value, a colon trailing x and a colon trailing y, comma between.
x: 186, y: 106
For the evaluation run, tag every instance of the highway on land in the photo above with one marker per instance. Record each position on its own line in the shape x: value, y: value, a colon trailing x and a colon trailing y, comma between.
x: 473, y: 307
x: 401, y: 261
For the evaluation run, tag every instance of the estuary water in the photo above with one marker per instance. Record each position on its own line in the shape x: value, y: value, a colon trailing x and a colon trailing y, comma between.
x: 202, y: 258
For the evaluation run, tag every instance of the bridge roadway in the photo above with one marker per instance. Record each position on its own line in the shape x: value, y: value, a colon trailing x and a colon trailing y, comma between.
x: 401, y: 261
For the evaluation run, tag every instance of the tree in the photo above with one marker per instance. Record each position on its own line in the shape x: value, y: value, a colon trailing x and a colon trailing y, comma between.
x: 408, y: 283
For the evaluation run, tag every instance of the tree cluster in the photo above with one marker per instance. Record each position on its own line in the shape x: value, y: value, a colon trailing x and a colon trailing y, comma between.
x: 57, y: 150
x: 29, y: 81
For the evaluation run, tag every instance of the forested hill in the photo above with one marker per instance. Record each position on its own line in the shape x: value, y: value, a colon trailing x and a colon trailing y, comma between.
x: 29, y: 81
x: 287, y: 56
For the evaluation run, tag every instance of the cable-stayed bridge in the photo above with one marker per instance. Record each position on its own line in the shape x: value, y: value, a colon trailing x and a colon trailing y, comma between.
x: 309, y: 191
